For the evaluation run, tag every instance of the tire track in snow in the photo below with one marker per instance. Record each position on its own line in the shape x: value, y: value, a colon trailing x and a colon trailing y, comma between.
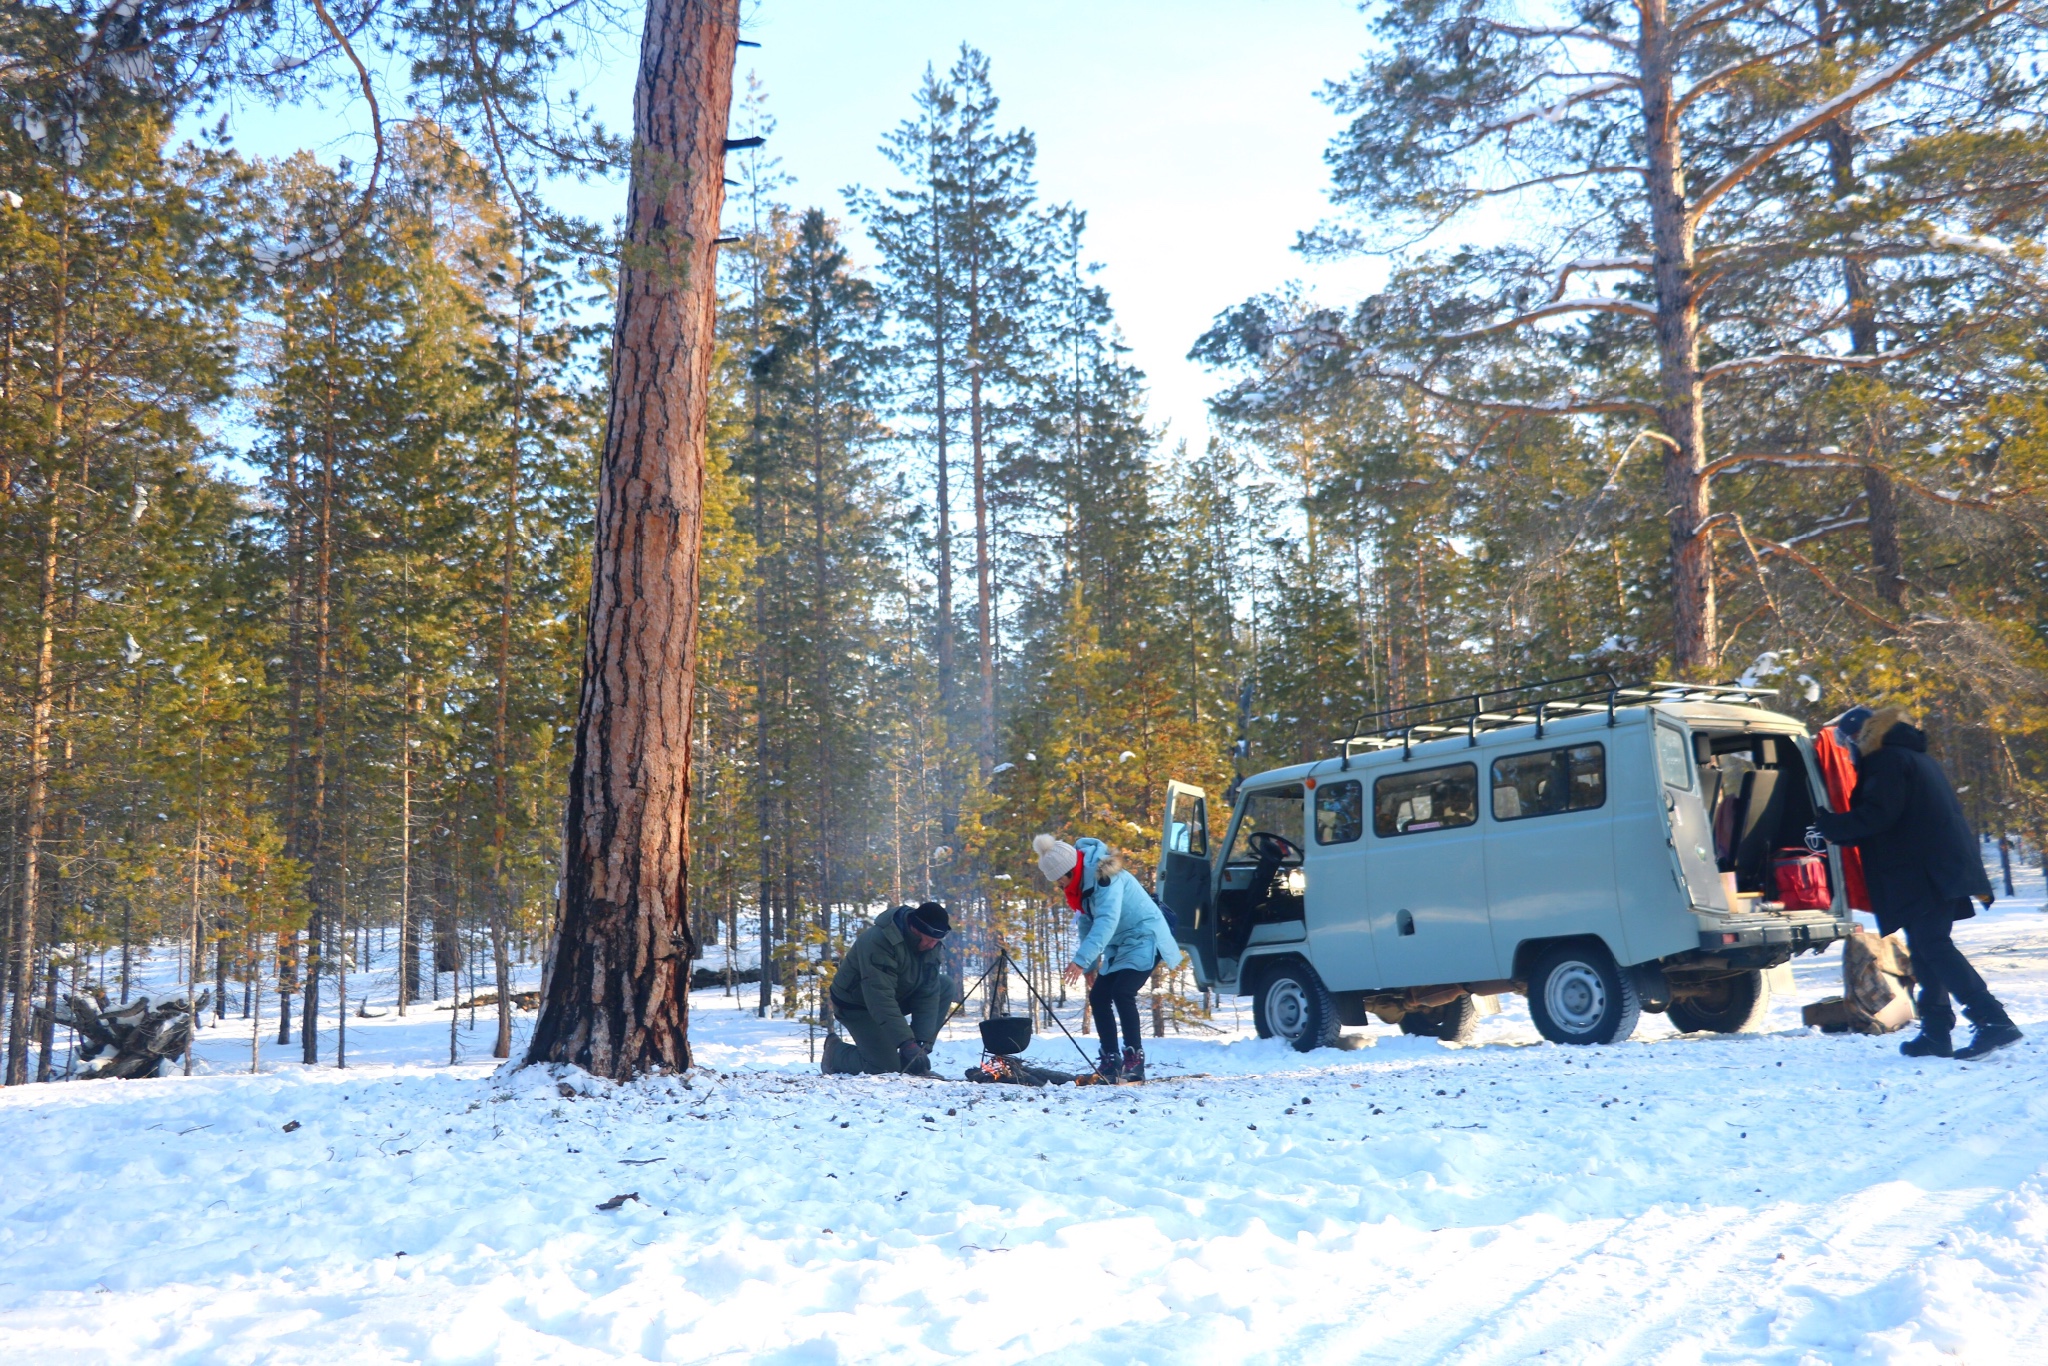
x: 1644, y: 1287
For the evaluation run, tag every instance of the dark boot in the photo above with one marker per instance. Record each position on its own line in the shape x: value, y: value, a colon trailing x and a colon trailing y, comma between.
x: 1988, y: 1040
x: 1134, y: 1063
x: 1927, y: 1044
x: 1110, y: 1066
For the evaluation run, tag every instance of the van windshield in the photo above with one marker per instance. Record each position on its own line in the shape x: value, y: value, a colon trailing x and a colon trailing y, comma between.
x: 1274, y: 810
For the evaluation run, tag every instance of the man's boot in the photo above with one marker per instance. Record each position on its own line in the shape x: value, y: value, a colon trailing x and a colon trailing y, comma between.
x: 1927, y: 1044
x: 1987, y: 1040
x: 1134, y: 1063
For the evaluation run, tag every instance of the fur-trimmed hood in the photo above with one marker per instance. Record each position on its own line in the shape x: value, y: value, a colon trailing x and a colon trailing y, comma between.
x: 1889, y: 726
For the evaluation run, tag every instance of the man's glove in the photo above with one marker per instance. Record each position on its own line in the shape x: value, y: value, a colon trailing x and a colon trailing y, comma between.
x: 1815, y: 840
x: 913, y: 1058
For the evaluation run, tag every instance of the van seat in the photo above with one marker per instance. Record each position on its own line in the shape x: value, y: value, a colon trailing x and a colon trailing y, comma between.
x: 1760, y: 811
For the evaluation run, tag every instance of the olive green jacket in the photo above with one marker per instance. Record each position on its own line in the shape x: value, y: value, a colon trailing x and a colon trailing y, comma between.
x: 884, y: 975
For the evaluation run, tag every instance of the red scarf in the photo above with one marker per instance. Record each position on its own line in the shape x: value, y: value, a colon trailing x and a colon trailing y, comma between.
x: 1074, y: 883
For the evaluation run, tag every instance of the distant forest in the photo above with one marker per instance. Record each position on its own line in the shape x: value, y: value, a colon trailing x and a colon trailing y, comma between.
x: 297, y: 459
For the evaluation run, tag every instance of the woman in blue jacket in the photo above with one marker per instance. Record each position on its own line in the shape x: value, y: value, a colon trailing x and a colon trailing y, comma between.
x: 1123, y: 937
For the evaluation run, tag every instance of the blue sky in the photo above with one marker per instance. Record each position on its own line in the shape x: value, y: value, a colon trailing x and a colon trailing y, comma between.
x: 1188, y: 129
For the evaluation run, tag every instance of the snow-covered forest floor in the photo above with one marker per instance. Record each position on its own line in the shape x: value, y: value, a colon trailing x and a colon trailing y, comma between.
x: 1778, y: 1197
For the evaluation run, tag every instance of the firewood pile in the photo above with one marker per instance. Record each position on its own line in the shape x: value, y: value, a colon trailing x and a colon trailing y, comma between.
x: 140, y: 1035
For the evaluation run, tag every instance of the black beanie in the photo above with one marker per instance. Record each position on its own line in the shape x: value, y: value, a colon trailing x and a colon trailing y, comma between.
x: 930, y: 920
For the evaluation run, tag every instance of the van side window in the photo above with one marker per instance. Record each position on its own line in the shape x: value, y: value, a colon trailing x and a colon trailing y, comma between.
x: 1549, y: 781
x: 1187, y: 825
x: 1673, y: 763
x: 1340, y: 812
x: 1430, y: 799
x: 1275, y: 810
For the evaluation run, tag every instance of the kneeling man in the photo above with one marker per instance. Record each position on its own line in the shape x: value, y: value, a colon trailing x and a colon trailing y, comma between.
x: 889, y: 992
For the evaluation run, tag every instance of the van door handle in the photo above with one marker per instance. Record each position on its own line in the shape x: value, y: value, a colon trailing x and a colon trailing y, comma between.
x: 1404, y: 922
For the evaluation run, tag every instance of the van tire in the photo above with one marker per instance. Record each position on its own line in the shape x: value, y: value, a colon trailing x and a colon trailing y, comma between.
x: 1291, y: 1003
x: 1738, y: 1009
x: 1457, y: 1022
x: 1578, y: 995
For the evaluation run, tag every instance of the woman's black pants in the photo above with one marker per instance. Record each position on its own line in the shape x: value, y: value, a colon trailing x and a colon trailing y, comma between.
x: 1114, y: 998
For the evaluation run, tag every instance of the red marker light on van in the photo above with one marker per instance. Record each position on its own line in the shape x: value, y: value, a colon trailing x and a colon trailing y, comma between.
x: 1731, y: 939
x: 1309, y: 783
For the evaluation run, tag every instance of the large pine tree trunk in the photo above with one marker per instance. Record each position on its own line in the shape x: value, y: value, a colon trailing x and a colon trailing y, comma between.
x: 1680, y: 409
x: 617, y: 991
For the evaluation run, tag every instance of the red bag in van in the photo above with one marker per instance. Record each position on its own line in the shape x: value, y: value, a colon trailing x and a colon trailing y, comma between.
x: 1802, y: 879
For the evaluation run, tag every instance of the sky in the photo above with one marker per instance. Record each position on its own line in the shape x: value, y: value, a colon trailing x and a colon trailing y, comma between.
x: 1189, y: 130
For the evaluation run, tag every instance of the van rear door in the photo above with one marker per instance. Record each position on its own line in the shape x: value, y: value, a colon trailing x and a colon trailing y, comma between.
x: 1686, y: 825
x: 1184, y: 875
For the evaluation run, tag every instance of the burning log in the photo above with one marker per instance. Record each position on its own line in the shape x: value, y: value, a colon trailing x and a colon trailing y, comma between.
x: 1009, y: 1070
x: 142, y: 1034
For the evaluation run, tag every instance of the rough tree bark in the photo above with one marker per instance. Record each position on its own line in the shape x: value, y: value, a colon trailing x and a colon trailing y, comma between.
x: 617, y: 993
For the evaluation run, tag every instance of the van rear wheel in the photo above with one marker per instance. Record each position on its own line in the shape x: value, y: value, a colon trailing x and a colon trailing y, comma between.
x: 1292, y: 1003
x: 1578, y: 995
x: 1729, y: 1005
x: 1453, y: 1023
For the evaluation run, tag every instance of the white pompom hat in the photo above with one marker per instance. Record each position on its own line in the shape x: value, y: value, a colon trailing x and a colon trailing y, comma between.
x: 1056, y: 858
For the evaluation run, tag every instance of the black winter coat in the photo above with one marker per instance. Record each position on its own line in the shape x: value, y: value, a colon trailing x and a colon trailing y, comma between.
x: 1919, y: 855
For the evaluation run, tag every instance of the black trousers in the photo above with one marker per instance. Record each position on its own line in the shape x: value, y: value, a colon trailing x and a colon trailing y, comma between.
x: 1944, y: 972
x: 1114, y: 998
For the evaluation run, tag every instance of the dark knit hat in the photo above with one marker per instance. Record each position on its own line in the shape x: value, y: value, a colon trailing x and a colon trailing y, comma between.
x: 1850, y: 724
x: 929, y: 920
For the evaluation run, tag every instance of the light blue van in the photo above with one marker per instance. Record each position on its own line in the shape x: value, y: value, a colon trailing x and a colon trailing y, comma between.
x: 1602, y: 848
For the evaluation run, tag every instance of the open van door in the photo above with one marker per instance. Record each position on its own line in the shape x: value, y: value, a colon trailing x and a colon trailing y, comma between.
x: 1184, y: 875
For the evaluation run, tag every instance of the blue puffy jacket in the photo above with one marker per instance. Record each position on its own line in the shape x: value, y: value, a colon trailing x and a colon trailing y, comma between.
x: 1119, y: 923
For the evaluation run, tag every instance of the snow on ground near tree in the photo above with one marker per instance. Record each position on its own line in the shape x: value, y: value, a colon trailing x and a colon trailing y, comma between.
x: 1780, y: 1197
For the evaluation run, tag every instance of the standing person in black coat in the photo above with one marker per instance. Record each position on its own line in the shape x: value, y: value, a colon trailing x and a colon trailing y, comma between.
x: 1921, y: 862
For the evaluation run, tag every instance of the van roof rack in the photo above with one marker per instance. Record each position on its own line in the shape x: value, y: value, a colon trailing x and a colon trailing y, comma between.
x: 1469, y: 714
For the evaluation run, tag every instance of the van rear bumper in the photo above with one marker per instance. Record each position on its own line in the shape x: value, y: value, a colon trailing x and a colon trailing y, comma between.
x: 1797, y: 935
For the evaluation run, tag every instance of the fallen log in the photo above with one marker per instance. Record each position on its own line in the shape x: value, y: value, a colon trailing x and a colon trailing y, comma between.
x: 704, y: 979
x: 142, y: 1035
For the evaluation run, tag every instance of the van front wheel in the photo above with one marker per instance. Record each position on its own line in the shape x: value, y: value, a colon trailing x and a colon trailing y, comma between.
x: 1728, y: 1005
x: 1578, y: 995
x: 1293, y: 1004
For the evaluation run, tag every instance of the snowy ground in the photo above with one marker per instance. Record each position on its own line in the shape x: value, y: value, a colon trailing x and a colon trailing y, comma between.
x: 1781, y: 1197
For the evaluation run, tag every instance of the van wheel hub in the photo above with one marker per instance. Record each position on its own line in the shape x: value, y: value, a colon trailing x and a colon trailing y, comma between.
x: 1287, y: 1008
x: 1576, y: 996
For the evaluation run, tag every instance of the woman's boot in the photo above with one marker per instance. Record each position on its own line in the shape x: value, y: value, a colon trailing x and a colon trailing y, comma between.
x: 1109, y: 1067
x: 1134, y: 1063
